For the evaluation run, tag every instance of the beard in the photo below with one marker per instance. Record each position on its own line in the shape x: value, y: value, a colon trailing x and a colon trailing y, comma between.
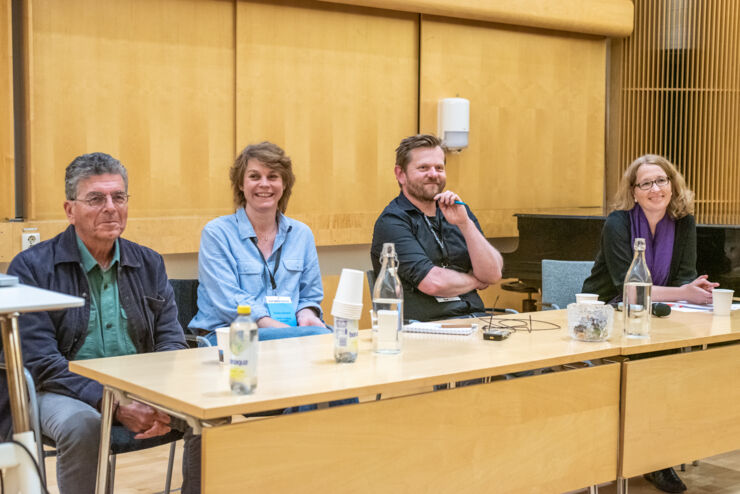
x: 425, y: 191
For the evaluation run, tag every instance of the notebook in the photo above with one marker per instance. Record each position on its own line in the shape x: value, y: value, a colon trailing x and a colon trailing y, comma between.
x: 440, y: 328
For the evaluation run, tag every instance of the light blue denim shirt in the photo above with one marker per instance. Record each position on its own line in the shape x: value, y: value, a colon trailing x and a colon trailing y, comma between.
x: 231, y: 271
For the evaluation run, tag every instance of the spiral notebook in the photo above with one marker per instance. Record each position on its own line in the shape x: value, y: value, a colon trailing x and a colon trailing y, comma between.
x: 440, y: 328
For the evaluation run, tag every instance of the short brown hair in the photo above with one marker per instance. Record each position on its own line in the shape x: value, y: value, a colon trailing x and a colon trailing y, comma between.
x: 682, y: 199
x: 403, y: 151
x: 273, y: 157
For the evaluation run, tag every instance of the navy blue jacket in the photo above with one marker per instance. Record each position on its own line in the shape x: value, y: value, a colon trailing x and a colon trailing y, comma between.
x: 49, y: 340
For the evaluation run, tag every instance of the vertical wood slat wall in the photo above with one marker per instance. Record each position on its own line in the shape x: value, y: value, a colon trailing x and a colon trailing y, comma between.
x: 679, y: 96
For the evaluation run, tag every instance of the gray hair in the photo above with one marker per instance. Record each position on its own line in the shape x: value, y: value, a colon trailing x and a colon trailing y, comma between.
x: 90, y: 165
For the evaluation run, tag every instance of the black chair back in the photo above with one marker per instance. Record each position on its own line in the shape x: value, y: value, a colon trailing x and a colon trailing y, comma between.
x: 186, y: 299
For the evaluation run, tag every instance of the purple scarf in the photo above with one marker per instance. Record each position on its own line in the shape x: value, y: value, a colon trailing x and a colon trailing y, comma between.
x: 658, y: 248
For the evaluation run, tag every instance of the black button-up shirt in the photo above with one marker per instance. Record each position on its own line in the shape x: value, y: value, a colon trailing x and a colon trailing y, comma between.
x: 418, y: 252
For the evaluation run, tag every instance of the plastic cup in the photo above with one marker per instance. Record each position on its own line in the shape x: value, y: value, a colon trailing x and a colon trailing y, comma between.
x: 722, y: 301
x: 582, y: 297
x: 222, y: 340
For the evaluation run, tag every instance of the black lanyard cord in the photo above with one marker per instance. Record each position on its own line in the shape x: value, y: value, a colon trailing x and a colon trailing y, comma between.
x: 277, y: 261
x: 440, y: 242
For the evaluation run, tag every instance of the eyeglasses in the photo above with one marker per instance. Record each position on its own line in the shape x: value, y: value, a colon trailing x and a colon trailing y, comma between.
x: 98, y: 200
x: 660, y: 182
x: 515, y: 324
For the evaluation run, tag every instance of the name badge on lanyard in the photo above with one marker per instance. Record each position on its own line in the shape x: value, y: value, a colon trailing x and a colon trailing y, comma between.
x: 281, y: 309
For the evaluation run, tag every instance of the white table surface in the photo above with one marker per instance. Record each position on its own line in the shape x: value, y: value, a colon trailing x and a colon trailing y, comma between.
x: 24, y: 298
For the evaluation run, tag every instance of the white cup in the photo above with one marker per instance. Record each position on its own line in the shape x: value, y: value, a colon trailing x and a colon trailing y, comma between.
x: 222, y: 340
x: 582, y: 297
x: 722, y: 301
x: 348, y: 299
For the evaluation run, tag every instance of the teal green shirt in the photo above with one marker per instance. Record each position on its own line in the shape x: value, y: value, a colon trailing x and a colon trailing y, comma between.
x: 107, y: 329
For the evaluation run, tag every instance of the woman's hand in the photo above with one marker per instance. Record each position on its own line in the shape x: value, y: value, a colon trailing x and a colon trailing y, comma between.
x: 307, y: 317
x: 699, y: 291
x: 269, y: 322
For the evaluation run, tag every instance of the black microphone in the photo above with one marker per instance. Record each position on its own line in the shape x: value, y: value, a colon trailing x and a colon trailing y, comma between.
x: 660, y: 309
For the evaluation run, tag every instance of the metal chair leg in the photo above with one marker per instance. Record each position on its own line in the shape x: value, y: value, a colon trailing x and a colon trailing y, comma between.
x: 111, y: 474
x: 170, y: 464
x: 33, y: 410
x: 593, y: 489
x: 622, y: 486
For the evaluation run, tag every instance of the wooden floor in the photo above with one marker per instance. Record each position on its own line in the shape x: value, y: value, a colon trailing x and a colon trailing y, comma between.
x: 144, y: 472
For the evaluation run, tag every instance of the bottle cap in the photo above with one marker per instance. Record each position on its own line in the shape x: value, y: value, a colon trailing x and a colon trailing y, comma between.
x: 244, y: 309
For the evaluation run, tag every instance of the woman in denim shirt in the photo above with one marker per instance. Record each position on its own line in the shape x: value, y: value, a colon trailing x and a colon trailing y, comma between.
x: 258, y: 252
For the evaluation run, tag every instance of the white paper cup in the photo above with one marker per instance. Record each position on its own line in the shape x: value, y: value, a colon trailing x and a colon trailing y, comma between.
x: 583, y: 297
x: 222, y: 340
x: 348, y: 299
x: 722, y: 301
x: 346, y: 311
x: 350, y: 286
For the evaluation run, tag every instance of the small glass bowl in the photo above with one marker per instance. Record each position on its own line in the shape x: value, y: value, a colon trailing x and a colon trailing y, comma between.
x: 590, y: 321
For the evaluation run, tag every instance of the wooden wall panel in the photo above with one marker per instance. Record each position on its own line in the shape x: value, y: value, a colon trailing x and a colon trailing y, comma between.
x: 150, y: 82
x: 336, y: 87
x: 677, y: 94
x: 7, y: 178
x: 602, y: 17
x: 537, y: 110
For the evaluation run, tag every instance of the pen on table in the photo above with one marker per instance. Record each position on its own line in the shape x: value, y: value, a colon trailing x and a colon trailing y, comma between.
x: 690, y: 306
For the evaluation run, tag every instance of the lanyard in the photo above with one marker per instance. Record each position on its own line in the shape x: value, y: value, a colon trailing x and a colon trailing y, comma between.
x: 440, y: 242
x: 277, y: 259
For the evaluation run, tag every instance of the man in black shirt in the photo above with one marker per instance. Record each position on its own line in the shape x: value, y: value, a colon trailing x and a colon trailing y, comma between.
x: 443, y: 256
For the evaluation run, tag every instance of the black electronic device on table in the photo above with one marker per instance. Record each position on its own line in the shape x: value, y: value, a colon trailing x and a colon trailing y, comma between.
x: 496, y: 334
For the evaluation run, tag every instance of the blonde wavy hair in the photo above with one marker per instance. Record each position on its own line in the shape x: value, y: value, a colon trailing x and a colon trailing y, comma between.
x: 682, y: 198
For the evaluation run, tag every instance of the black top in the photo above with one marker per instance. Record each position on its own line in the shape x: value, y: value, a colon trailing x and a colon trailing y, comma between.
x: 418, y: 252
x: 616, y: 253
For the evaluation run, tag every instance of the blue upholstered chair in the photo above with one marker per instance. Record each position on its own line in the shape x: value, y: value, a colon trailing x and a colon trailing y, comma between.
x: 561, y: 280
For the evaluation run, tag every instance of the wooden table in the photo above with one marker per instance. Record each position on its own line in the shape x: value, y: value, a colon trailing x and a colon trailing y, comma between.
x: 684, y: 406
x: 552, y: 432
x: 519, y: 435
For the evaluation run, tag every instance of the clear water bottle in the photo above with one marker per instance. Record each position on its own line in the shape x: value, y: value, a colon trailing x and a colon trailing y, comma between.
x: 243, y: 344
x: 346, y: 339
x: 638, y: 285
x: 388, y: 304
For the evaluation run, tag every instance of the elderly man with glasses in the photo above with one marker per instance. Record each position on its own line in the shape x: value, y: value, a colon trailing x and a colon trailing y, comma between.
x: 129, y: 308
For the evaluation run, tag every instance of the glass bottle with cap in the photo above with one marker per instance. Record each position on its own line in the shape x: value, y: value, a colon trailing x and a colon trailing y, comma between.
x: 243, y: 345
x: 636, y: 297
x: 388, y: 304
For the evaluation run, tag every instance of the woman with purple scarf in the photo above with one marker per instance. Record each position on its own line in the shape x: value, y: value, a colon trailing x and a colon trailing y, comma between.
x: 653, y: 203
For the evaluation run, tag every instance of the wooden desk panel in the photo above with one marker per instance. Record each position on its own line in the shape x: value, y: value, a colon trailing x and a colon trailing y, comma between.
x: 533, y: 434
x: 679, y: 408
